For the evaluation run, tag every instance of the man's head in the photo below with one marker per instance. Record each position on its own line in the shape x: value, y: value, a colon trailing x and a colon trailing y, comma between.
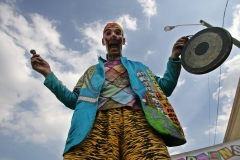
x: 113, y: 39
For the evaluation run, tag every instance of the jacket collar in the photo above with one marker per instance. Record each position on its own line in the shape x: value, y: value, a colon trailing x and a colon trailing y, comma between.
x: 102, y: 60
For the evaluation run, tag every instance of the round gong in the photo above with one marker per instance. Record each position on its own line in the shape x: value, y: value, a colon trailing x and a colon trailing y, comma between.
x: 206, y: 50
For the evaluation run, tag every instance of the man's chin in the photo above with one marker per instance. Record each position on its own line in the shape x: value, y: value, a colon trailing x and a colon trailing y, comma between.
x: 114, y: 54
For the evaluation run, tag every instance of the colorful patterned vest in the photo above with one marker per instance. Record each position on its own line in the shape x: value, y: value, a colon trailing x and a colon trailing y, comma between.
x: 116, y: 91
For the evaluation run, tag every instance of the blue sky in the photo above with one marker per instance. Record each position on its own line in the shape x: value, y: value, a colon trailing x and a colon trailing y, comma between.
x: 34, y: 124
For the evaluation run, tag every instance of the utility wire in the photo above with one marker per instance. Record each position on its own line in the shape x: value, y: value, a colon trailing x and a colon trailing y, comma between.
x: 208, y: 112
x: 224, y: 13
x: 219, y: 89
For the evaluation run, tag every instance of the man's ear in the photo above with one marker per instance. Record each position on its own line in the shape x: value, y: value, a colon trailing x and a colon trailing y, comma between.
x: 103, y: 42
x: 123, y: 42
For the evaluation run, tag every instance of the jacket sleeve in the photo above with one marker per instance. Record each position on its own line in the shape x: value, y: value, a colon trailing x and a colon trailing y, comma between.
x: 170, y: 78
x: 63, y: 94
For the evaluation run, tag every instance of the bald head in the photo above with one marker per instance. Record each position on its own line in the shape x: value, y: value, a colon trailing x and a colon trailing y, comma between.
x: 113, y: 24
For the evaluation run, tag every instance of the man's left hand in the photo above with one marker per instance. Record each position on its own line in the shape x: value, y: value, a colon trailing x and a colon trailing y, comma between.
x: 178, y: 46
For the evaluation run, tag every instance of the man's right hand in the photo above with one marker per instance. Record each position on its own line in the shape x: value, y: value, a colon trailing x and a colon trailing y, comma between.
x: 40, y: 65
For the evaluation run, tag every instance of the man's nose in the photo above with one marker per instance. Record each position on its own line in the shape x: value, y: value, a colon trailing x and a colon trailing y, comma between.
x: 113, y: 36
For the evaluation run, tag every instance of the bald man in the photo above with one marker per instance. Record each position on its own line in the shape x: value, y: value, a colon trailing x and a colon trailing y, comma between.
x: 121, y: 110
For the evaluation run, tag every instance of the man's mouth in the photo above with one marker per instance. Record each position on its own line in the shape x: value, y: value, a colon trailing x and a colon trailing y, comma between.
x: 113, y: 44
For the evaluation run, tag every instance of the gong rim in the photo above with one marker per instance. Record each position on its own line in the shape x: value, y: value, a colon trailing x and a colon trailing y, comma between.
x: 220, y: 58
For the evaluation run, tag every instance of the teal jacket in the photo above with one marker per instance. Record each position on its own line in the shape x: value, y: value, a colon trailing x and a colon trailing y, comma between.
x: 151, y: 89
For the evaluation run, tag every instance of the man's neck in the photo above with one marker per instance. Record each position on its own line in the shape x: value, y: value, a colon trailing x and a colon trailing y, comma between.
x: 113, y: 57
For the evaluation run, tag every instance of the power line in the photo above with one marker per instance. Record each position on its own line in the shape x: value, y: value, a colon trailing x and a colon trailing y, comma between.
x: 224, y: 13
x: 208, y: 112
x: 219, y: 82
x: 219, y: 89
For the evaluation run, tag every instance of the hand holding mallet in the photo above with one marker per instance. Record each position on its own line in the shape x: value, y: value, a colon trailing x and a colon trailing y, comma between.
x: 39, y: 64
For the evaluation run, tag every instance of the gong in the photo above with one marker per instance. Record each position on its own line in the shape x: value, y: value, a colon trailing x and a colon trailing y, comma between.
x: 206, y: 50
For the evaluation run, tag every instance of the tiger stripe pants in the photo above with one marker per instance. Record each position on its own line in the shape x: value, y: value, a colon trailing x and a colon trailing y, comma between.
x: 120, y: 134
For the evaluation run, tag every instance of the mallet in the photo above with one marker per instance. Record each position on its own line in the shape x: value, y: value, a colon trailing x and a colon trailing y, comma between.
x: 32, y: 51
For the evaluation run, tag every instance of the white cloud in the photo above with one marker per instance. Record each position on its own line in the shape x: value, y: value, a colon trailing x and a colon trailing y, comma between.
x: 226, y: 92
x: 222, y: 121
x: 149, y: 8
x: 235, y: 28
x: 149, y: 52
x: 180, y: 82
x: 19, y: 85
x: 29, y: 112
x: 93, y: 37
x: 184, y: 129
x: 46, y: 119
x: 127, y: 22
x: 177, y: 150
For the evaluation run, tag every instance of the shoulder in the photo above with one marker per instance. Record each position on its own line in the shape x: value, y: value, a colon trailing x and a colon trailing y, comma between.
x: 91, y: 68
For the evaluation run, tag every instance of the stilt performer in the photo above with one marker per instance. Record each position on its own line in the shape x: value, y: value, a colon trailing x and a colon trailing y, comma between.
x: 121, y: 110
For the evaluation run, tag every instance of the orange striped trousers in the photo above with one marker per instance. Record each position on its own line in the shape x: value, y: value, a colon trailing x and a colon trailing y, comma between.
x: 120, y: 134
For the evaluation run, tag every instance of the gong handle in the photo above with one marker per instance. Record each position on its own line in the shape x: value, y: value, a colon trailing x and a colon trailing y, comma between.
x: 235, y: 41
x: 205, y: 23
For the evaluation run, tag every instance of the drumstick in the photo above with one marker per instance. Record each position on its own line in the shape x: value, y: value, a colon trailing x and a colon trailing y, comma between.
x: 32, y: 51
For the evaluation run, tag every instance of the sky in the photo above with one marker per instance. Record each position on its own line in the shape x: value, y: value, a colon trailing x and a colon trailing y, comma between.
x: 34, y: 124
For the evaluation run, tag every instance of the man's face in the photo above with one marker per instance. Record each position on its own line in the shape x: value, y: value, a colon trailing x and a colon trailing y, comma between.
x: 113, y: 40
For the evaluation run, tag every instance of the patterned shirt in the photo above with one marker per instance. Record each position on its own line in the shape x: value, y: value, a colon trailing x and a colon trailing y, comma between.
x: 117, y: 91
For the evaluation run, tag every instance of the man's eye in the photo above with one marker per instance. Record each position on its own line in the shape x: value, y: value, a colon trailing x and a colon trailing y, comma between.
x: 108, y: 33
x: 118, y: 33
